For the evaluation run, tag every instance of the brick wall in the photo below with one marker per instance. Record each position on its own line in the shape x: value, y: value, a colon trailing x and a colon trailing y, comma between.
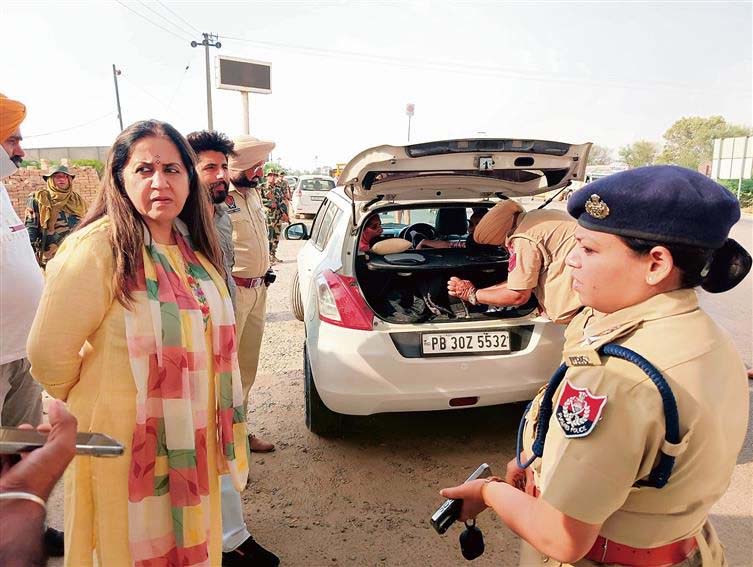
x: 26, y: 181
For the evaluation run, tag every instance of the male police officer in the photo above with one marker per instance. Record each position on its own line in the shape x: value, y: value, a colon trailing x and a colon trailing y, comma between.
x: 538, y: 242
x: 252, y: 266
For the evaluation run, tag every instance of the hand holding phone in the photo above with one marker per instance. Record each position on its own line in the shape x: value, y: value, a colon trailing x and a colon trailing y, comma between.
x: 448, y: 512
x: 38, y: 472
x: 14, y: 440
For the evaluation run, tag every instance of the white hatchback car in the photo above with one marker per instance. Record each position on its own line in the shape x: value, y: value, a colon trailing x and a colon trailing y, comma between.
x: 309, y: 192
x: 382, y: 334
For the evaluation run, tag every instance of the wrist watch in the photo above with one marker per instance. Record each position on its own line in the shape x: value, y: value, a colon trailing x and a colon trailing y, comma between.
x: 472, y: 297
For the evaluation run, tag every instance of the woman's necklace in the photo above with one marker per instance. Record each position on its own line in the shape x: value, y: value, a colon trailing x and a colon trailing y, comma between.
x: 198, y: 293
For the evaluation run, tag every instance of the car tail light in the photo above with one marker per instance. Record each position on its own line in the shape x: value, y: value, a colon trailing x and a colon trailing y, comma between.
x: 341, y: 303
x: 298, y: 193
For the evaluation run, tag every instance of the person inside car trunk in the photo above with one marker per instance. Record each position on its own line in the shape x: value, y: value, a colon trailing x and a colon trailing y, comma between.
x: 538, y: 242
x: 370, y: 233
x: 637, y: 435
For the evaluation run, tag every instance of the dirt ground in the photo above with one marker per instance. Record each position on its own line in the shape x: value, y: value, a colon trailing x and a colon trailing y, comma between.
x: 366, y: 498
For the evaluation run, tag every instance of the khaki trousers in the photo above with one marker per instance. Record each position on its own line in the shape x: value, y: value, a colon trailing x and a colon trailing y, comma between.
x: 250, y: 311
x: 20, y: 395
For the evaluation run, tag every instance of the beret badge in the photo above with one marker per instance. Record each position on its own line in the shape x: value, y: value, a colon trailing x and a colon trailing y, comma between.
x: 597, y: 208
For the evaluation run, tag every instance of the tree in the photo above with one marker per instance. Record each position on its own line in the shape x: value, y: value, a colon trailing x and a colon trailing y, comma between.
x: 639, y: 153
x: 689, y: 141
x: 599, y: 155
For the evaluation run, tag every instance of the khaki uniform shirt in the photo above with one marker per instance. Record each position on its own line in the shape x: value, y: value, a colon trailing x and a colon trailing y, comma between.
x: 225, y: 232
x: 250, y: 239
x: 538, y: 246
x: 592, y: 478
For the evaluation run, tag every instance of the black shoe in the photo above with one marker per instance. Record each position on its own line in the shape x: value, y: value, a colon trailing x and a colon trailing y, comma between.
x: 53, y: 543
x: 250, y: 554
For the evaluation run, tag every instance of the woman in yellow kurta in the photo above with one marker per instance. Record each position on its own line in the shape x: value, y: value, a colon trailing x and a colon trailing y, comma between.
x: 136, y: 331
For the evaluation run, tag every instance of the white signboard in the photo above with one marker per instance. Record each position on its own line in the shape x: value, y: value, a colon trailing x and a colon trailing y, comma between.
x: 733, y: 158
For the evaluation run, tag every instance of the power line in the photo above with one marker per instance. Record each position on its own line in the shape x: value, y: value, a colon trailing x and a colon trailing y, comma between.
x: 150, y: 21
x: 180, y: 82
x: 143, y: 90
x: 155, y: 12
x: 71, y: 127
x: 476, y: 69
x: 189, y: 24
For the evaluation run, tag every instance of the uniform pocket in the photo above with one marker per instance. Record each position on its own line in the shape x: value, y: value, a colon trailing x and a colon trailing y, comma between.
x: 241, y: 228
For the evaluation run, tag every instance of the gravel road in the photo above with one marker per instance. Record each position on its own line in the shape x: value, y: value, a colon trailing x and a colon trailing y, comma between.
x: 365, y: 499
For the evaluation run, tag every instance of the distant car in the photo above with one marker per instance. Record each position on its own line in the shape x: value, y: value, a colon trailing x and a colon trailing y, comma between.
x: 309, y: 193
x: 291, y: 180
x: 382, y: 334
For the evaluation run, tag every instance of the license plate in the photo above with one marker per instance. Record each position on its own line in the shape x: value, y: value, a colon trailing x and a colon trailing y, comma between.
x: 470, y: 342
x: 317, y: 198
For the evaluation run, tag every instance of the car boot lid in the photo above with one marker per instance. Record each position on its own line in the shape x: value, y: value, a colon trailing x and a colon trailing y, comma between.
x: 462, y: 169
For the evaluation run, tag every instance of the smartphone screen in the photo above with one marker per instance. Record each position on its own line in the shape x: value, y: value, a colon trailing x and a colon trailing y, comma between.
x: 14, y: 440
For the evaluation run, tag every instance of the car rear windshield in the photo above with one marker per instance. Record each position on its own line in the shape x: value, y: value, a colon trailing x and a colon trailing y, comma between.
x: 317, y: 184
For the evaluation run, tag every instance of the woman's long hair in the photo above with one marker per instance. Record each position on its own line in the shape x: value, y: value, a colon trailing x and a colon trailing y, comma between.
x: 126, y: 224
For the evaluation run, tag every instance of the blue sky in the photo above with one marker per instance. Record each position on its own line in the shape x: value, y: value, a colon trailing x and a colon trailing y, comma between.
x: 342, y: 72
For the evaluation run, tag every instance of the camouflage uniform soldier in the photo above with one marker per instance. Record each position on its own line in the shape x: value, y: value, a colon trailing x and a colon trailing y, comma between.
x: 273, y: 193
x: 52, y: 213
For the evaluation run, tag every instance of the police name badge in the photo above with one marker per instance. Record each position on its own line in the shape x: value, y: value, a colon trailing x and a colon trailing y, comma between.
x: 578, y: 410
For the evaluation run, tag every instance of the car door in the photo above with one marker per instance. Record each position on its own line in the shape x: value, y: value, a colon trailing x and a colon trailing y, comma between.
x: 314, y: 251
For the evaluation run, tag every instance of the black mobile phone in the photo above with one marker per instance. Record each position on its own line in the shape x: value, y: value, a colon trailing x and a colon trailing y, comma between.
x: 448, y: 512
x: 14, y: 440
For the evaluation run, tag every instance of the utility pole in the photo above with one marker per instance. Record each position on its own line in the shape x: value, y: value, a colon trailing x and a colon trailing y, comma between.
x: 210, y: 40
x: 115, y: 73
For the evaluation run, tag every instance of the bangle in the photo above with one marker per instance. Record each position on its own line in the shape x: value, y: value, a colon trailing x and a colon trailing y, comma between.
x: 17, y: 495
x: 472, y: 297
x: 487, y: 481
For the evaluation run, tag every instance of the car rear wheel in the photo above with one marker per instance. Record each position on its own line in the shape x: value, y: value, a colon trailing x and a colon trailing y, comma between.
x: 319, y: 418
x: 296, y: 303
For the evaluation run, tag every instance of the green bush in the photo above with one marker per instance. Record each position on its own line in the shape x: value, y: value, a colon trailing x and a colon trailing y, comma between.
x: 746, y: 190
x: 95, y: 163
x: 32, y: 163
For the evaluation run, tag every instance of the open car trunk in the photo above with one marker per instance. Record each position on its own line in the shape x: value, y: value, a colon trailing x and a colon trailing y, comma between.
x: 411, y: 287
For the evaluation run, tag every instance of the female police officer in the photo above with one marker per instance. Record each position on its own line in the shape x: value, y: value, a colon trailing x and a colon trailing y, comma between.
x: 634, y: 448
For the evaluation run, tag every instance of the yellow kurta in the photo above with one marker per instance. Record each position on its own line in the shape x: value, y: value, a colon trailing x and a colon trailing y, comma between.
x: 77, y: 348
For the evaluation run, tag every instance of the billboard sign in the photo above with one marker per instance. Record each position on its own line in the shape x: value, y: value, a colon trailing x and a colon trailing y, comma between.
x: 236, y: 74
x: 732, y: 158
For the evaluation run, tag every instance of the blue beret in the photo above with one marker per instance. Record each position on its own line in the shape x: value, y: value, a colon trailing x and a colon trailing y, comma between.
x: 663, y: 203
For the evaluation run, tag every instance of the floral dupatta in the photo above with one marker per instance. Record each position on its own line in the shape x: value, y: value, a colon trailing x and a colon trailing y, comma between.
x: 168, y: 484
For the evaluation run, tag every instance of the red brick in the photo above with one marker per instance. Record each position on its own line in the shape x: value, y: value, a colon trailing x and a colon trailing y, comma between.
x: 26, y: 181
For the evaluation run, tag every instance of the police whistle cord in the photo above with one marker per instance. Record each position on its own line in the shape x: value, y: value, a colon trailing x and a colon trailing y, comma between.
x: 660, y: 474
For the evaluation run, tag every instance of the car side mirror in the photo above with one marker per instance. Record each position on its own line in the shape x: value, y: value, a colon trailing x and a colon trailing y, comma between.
x: 297, y: 231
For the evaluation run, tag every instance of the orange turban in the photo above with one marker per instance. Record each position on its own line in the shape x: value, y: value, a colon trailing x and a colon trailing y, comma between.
x: 497, y: 223
x: 12, y: 113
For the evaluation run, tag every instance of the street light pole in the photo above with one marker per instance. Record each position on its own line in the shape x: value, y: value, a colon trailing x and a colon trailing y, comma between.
x: 115, y: 73
x: 410, y: 109
x: 210, y: 40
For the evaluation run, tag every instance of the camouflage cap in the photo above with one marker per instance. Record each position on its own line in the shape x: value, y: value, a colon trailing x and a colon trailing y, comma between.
x: 58, y: 169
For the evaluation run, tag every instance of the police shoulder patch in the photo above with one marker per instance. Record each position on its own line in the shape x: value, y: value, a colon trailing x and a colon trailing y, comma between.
x: 230, y: 202
x: 578, y: 410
